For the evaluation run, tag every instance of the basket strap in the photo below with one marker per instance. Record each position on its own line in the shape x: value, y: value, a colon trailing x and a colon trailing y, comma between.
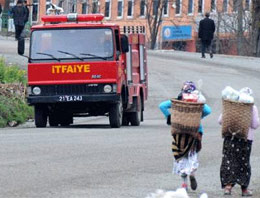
x: 233, y: 132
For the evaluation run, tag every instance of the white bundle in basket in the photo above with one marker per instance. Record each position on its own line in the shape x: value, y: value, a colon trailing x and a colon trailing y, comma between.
x: 245, y: 95
x: 230, y: 94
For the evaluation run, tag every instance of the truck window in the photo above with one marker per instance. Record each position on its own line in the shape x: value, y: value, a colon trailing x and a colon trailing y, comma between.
x: 82, y: 43
x: 117, y: 40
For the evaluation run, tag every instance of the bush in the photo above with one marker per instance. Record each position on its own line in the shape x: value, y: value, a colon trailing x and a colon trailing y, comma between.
x: 13, y: 108
x: 11, y: 74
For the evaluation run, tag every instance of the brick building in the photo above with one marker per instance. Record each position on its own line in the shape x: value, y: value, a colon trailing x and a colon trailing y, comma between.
x: 2, y: 3
x: 179, y: 23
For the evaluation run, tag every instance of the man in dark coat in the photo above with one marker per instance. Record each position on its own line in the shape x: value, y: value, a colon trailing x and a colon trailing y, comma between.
x: 206, y: 34
x: 20, y: 16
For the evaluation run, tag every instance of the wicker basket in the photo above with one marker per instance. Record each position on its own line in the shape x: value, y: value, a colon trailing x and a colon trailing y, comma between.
x: 185, y: 117
x: 236, y: 118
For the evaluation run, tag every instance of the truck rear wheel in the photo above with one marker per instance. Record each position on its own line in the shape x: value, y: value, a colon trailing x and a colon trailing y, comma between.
x: 53, y: 121
x: 40, y: 116
x: 135, y: 117
x: 116, y: 115
x: 66, y: 120
x: 125, y: 121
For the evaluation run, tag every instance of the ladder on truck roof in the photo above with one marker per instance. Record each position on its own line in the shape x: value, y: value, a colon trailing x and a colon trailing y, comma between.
x: 133, y: 29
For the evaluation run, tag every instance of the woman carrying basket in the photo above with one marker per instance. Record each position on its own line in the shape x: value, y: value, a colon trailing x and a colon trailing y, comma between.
x: 235, y: 167
x: 185, y: 147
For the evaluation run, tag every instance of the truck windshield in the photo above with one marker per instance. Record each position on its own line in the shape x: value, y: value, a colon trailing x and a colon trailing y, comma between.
x: 67, y: 44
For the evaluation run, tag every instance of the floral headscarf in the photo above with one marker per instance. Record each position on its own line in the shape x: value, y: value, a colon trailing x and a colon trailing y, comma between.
x: 188, y: 87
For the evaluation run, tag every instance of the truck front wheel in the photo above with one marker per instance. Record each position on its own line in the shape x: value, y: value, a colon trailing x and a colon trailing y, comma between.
x: 40, y: 116
x: 116, y: 115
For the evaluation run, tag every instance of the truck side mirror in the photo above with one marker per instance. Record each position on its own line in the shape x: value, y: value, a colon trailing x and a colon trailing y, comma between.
x: 21, y: 47
x: 124, y: 43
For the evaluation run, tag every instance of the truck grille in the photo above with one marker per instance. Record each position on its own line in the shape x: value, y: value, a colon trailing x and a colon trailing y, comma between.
x: 50, y: 90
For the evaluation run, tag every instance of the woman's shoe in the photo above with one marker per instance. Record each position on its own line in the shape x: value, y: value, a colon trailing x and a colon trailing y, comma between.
x: 227, y: 190
x: 193, y: 182
x: 247, y: 193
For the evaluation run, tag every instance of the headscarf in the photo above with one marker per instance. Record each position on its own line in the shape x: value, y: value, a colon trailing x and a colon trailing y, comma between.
x: 188, y: 87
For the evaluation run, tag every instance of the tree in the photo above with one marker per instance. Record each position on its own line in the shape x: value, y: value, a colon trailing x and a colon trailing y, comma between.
x: 234, y: 28
x: 256, y: 27
x: 154, y: 14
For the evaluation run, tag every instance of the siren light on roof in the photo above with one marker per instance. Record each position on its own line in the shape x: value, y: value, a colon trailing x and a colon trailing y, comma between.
x: 73, y: 17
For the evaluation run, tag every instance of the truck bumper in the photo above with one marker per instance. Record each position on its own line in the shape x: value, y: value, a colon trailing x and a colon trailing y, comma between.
x: 109, y: 98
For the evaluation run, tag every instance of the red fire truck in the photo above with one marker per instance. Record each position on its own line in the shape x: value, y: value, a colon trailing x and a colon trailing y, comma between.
x: 80, y: 66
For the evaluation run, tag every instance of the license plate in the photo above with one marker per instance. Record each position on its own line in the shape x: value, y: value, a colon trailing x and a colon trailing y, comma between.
x: 70, y: 98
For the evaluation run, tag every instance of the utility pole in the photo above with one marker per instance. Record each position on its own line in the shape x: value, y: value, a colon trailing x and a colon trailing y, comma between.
x: 218, y: 31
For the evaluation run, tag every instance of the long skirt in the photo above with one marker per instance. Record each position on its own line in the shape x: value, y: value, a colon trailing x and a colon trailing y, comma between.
x: 235, y: 167
x: 185, y: 151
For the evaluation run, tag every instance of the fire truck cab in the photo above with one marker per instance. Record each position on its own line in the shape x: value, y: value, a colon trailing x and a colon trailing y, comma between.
x: 80, y: 66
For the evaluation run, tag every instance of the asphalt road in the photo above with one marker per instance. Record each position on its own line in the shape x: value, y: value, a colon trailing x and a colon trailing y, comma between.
x: 89, y: 159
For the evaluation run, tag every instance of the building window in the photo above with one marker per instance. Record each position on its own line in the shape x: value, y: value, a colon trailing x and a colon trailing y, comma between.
x: 165, y: 7
x: 213, y: 6
x: 247, y: 5
x: 35, y: 10
x: 48, y: 4
x: 142, y: 8
x: 155, y: 7
x: 200, y: 6
x: 12, y: 3
x: 95, y: 6
x: 130, y: 8
x: 225, y: 5
x: 190, y: 7
x: 107, y: 8
x: 85, y: 8
x: 61, y: 4
x: 178, y: 5
x: 72, y: 6
x: 120, y: 8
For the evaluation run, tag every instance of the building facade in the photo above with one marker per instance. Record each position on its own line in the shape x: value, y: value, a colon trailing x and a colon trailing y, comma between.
x: 180, y: 18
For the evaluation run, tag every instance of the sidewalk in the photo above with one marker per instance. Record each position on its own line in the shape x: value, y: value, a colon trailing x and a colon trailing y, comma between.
x: 8, y: 50
x: 219, y: 60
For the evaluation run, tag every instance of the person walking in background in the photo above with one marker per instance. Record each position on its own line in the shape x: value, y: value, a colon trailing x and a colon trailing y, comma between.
x: 185, y: 147
x: 235, y: 167
x: 20, y: 16
x: 206, y: 34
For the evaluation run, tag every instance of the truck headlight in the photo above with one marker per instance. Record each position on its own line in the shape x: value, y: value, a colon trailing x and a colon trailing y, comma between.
x: 107, y: 88
x: 36, y: 90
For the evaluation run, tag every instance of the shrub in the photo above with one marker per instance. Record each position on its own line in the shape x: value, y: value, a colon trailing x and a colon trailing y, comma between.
x: 11, y: 74
x: 13, y: 107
